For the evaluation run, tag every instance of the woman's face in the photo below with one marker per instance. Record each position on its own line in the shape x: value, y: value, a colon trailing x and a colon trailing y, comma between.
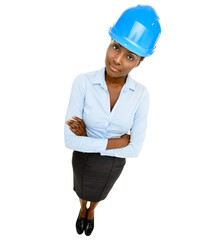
x: 119, y: 60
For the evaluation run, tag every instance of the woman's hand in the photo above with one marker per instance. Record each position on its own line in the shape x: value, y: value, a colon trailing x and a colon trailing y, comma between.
x: 125, y: 139
x: 121, y: 142
x: 77, y: 126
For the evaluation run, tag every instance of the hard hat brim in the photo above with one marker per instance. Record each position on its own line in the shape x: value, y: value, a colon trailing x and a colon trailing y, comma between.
x: 128, y: 44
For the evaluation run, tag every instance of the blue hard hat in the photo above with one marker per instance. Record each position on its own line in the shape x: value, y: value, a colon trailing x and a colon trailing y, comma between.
x: 137, y: 29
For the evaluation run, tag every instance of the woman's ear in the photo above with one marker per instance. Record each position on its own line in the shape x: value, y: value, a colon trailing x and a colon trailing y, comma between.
x: 141, y: 59
x: 138, y: 64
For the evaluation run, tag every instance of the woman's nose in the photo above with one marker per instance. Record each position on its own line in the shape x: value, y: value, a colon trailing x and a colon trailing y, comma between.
x: 118, y: 59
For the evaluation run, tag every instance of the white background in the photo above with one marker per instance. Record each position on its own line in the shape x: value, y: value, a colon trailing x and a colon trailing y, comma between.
x: 44, y: 45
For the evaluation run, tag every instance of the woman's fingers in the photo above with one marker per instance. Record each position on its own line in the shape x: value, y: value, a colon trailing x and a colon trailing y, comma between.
x: 77, y: 126
x: 74, y: 129
x: 76, y: 119
x: 71, y: 122
x: 74, y: 125
x: 79, y: 120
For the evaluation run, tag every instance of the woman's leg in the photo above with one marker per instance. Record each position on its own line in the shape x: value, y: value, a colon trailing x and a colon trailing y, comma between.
x: 83, y: 209
x: 90, y: 214
x: 90, y: 218
x: 81, y: 220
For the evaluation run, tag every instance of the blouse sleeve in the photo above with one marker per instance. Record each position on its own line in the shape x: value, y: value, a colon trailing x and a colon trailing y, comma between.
x: 75, y: 108
x: 137, y: 131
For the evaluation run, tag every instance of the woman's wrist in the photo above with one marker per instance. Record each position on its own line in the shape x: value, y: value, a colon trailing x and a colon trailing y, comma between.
x: 121, y: 142
x: 114, y: 143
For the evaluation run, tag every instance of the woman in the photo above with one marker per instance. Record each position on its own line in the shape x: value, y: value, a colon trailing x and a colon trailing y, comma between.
x: 104, y: 106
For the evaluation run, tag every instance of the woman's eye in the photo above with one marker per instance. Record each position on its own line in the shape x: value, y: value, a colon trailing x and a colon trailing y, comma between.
x: 115, y: 47
x: 131, y: 58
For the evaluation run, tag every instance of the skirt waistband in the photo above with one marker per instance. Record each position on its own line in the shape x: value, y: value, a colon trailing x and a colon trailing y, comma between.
x: 97, y: 154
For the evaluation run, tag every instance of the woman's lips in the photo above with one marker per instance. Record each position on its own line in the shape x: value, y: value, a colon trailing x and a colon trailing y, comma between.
x: 113, y: 68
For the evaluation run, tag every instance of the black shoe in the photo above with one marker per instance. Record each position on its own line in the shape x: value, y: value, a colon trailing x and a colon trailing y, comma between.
x: 89, y: 227
x: 80, y: 224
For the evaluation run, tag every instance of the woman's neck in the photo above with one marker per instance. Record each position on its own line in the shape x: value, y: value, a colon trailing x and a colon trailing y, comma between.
x: 117, y: 82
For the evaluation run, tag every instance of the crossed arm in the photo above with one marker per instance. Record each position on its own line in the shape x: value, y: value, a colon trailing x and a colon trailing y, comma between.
x: 77, y: 126
x: 75, y: 131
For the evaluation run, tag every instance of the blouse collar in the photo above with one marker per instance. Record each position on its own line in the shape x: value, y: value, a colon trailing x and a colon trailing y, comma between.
x: 130, y: 84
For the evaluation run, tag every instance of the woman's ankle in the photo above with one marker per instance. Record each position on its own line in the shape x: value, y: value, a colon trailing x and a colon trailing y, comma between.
x: 90, y: 214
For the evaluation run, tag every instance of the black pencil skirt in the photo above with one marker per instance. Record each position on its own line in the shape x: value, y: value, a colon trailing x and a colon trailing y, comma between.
x: 94, y: 175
